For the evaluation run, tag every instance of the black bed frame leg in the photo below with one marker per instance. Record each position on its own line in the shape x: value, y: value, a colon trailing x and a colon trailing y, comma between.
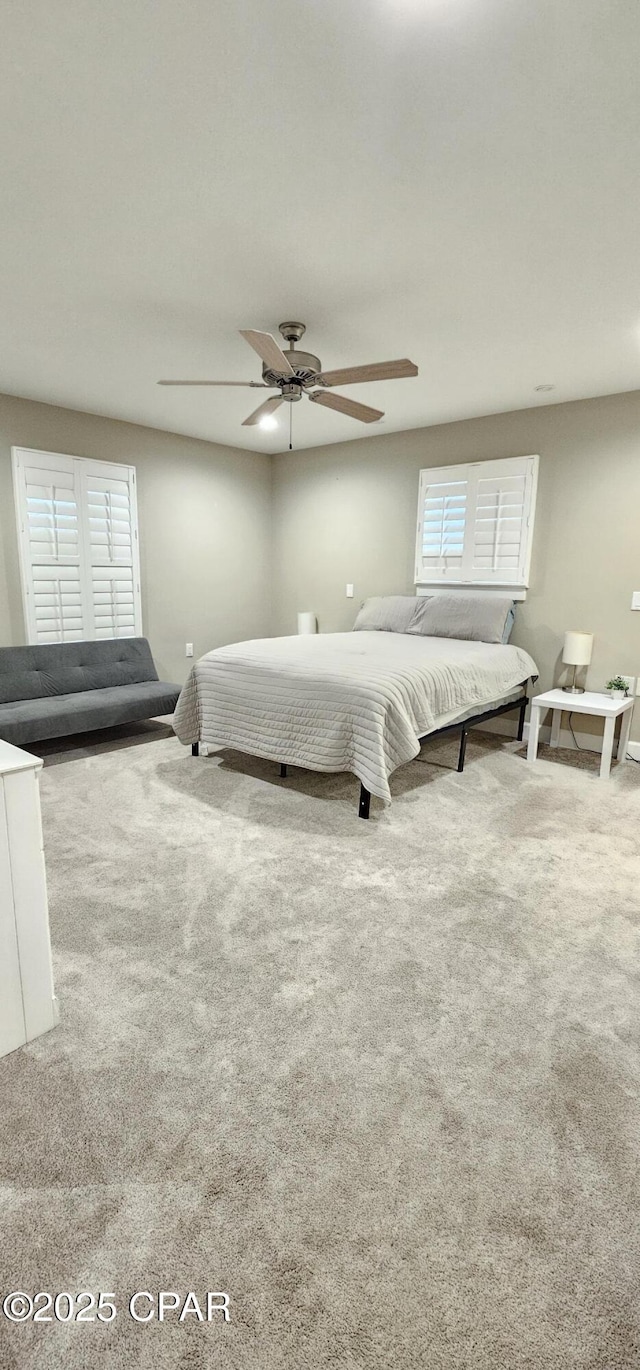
x: 523, y: 710
x: 283, y: 770
x: 463, y: 748
x: 195, y: 748
x: 365, y: 801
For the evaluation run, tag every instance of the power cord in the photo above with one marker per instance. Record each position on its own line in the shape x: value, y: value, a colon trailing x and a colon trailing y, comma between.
x: 575, y: 740
x: 628, y: 756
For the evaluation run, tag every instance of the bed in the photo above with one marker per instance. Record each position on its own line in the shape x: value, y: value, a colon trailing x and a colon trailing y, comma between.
x: 356, y: 701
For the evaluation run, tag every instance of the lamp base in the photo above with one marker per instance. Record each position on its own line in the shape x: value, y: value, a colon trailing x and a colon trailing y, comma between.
x: 573, y: 689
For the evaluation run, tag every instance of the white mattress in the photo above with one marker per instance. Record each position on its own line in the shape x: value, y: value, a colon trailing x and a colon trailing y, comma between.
x: 355, y: 702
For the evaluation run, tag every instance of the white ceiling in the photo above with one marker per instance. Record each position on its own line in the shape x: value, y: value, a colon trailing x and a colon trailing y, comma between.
x: 456, y: 181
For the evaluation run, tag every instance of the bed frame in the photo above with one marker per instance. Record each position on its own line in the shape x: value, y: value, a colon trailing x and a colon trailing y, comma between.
x: 465, y: 727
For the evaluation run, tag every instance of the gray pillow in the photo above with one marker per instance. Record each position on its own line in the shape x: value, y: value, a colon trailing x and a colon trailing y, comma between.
x: 475, y: 618
x: 386, y: 614
x: 509, y: 622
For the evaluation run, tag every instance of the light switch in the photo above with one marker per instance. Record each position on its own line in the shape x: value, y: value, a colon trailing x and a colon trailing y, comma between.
x: 635, y: 599
x: 350, y: 593
x: 189, y: 649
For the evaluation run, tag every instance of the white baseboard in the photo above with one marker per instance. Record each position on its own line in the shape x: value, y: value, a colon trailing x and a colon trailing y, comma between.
x: 590, y: 742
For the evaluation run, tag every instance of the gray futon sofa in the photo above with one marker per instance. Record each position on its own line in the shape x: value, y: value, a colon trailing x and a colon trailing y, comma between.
x: 73, y: 687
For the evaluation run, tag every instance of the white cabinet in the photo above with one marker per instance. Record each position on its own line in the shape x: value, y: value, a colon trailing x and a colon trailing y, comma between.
x: 27, y: 1001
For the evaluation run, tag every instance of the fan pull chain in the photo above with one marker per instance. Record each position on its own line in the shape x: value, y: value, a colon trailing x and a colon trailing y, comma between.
x: 290, y: 427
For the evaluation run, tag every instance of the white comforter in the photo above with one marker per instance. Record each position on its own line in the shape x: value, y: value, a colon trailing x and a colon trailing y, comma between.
x: 342, y: 701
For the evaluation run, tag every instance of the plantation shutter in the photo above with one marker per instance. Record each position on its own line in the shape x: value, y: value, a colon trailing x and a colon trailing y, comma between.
x: 444, y: 511
x: 49, y: 529
x: 78, y: 541
x: 475, y: 523
x: 108, y: 497
x: 499, y: 529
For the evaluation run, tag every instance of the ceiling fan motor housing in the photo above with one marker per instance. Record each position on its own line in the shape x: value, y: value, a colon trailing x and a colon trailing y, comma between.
x: 305, y: 365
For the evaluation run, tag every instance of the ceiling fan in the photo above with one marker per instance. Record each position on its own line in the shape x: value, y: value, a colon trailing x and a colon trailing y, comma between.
x: 296, y: 374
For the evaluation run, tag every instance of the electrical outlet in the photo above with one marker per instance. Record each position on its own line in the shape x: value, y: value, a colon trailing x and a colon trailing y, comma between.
x: 349, y: 591
x: 635, y: 599
x: 631, y: 681
x: 189, y: 649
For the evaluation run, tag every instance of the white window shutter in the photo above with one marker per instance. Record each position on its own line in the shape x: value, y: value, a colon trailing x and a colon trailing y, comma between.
x: 500, y: 535
x: 49, y: 543
x: 78, y: 540
x: 441, y: 524
x: 475, y: 523
x: 57, y: 608
x: 109, y: 499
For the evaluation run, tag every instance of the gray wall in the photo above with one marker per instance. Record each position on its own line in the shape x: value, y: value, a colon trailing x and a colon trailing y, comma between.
x: 209, y: 527
x: 348, y: 513
x: 205, y: 528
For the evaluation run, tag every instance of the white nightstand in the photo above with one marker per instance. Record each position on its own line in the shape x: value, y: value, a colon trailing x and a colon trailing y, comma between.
x: 603, y: 706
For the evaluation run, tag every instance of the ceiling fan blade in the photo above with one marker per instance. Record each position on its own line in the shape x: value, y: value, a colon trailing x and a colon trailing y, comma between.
x: 376, y: 371
x: 255, y: 385
x: 268, y: 349
x: 266, y: 408
x: 346, y: 406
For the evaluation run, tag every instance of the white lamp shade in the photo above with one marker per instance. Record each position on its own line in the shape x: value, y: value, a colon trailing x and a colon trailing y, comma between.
x: 307, y: 623
x: 577, y: 648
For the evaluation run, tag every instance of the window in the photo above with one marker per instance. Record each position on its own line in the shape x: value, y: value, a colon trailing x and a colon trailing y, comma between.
x: 475, y: 523
x: 78, y: 540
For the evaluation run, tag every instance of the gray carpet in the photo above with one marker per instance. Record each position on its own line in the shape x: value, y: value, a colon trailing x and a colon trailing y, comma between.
x: 380, y: 1082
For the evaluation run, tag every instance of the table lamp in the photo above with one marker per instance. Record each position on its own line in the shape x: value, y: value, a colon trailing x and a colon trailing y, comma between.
x: 576, y: 652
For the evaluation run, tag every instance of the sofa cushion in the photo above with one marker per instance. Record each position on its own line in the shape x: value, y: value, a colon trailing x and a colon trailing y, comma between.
x: 63, y: 668
x: 33, y: 720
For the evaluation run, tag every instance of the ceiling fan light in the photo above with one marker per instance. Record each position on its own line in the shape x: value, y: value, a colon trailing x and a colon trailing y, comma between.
x: 268, y: 421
